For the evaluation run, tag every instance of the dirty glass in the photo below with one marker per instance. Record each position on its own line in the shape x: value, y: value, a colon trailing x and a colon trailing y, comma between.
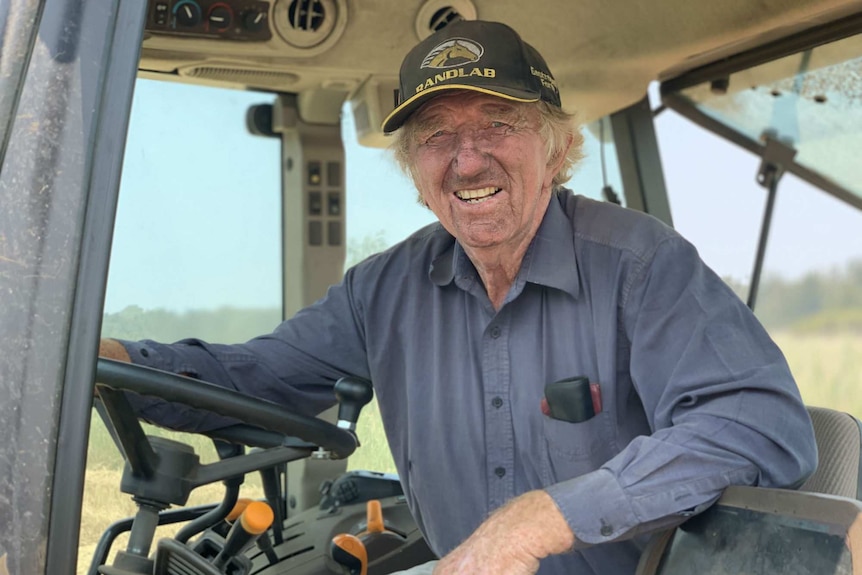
x: 811, y: 101
x: 18, y: 24
x: 44, y: 179
x: 810, y: 296
x: 196, y: 253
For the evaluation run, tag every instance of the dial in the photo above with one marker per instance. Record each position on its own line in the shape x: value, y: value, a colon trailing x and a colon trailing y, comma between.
x: 220, y: 17
x: 254, y: 20
x: 187, y: 14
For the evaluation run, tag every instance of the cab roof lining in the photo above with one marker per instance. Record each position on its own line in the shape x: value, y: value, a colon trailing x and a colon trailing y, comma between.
x: 603, y: 54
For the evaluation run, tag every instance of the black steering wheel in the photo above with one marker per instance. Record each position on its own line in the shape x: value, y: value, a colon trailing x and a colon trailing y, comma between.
x: 262, y: 423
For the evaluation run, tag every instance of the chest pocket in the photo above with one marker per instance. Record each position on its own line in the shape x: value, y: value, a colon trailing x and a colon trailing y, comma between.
x: 573, y: 449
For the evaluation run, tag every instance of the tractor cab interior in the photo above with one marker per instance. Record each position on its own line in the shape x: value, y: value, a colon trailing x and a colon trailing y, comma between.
x: 215, y: 165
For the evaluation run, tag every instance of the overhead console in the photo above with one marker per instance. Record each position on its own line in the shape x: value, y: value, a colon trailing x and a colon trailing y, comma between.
x: 243, y: 20
x: 297, y: 47
x: 310, y: 26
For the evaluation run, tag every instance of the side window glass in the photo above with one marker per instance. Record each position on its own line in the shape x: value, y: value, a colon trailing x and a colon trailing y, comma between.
x: 196, y: 249
x: 714, y: 199
x: 810, y: 296
x: 196, y: 253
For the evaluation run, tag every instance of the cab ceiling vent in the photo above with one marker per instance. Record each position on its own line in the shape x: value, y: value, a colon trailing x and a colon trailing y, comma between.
x: 310, y: 24
x: 437, y: 14
x: 255, y: 78
x: 307, y: 15
x: 443, y: 17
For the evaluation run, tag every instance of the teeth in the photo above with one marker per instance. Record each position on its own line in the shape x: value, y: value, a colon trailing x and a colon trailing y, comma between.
x: 476, y: 196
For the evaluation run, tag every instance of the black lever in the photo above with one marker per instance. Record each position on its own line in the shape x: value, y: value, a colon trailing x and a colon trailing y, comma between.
x: 352, y: 394
x: 255, y: 519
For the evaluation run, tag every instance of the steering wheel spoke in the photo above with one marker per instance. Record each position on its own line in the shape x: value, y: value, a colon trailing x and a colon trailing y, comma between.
x: 237, y: 466
x: 126, y: 431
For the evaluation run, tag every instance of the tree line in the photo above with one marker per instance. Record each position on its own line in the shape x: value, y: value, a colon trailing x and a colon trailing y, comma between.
x: 817, y: 302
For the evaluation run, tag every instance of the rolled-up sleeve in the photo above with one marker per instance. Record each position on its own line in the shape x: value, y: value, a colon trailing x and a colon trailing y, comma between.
x: 721, y: 402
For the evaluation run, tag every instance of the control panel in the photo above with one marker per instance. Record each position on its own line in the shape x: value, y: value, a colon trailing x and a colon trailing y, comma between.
x: 241, y: 20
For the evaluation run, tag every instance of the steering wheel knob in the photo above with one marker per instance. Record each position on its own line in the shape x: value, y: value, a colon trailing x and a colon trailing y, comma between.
x: 352, y: 394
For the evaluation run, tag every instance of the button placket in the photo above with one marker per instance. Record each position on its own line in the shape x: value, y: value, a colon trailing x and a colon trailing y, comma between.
x: 498, y: 416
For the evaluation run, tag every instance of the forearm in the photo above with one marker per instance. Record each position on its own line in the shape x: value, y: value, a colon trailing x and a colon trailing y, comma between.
x: 661, y: 480
x: 533, y: 522
x: 513, y: 539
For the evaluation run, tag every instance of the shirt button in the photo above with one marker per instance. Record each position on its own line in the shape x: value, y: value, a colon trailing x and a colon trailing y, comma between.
x: 500, y: 471
x: 495, y: 332
x: 606, y: 530
x: 497, y: 402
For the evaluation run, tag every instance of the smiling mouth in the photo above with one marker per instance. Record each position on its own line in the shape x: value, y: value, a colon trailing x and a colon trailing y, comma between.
x: 476, y: 196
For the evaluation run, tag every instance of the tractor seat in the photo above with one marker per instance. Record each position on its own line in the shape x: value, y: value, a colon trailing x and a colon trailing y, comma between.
x: 839, y: 446
x: 814, y: 530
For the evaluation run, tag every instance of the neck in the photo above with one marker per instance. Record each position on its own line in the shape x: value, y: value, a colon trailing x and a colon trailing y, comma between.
x: 498, y: 267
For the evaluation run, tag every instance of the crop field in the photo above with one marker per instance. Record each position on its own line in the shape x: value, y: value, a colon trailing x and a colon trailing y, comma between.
x: 828, y: 369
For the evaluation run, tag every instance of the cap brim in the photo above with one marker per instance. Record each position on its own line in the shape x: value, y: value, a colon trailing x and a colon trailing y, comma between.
x: 400, y: 114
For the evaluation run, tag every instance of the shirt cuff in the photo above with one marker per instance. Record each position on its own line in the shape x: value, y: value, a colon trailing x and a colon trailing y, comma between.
x: 176, y: 416
x: 148, y: 354
x: 595, y: 507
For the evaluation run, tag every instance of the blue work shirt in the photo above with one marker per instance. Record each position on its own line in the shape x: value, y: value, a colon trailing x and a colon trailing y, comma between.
x: 695, y: 395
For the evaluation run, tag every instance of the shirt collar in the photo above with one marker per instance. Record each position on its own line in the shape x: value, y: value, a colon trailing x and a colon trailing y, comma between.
x: 553, y: 244
x: 442, y: 270
x: 550, y: 259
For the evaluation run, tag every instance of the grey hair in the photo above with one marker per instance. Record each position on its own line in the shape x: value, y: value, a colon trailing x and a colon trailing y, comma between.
x: 555, y: 127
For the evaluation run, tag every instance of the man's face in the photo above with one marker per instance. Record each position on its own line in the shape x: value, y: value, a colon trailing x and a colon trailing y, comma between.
x: 481, y: 167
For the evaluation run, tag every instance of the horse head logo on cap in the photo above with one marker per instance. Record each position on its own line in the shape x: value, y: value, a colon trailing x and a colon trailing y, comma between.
x: 451, y: 53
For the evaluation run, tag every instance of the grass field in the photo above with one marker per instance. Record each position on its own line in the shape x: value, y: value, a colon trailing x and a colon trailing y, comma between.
x: 828, y: 369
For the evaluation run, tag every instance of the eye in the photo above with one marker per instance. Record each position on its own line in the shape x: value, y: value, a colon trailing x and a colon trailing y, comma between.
x: 436, y: 136
x: 499, y: 124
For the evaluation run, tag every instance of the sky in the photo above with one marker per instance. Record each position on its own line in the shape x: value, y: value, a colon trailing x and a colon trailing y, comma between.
x: 198, y: 218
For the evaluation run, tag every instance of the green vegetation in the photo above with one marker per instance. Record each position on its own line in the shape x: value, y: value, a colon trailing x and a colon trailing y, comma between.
x: 223, y: 325
x: 815, y: 303
x: 827, y: 368
x: 818, y: 302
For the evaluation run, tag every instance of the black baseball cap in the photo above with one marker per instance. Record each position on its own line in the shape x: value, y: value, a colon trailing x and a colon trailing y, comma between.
x: 486, y: 57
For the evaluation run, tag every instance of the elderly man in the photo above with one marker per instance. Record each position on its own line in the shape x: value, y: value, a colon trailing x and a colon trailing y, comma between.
x: 669, y: 388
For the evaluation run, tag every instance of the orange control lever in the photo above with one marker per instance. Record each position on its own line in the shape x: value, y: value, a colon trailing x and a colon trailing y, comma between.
x: 347, y: 550
x: 255, y: 519
x: 374, y: 516
x: 378, y: 540
x: 237, y: 510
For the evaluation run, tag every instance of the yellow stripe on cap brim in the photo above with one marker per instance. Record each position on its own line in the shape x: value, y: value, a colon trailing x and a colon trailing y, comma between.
x: 411, y: 102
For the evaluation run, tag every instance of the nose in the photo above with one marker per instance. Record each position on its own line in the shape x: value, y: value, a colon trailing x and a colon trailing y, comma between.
x: 469, y: 158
